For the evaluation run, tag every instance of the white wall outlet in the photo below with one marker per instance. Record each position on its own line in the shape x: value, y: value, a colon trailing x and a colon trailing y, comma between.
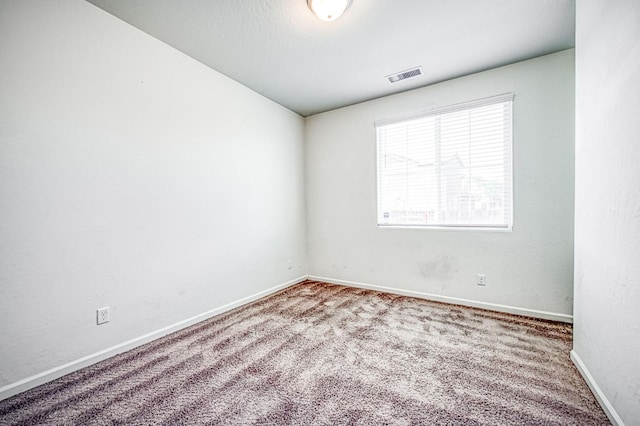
x: 289, y: 264
x: 103, y: 315
x: 482, y: 280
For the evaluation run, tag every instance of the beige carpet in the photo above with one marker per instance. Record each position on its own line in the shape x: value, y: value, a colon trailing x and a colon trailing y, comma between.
x: 323, y: 354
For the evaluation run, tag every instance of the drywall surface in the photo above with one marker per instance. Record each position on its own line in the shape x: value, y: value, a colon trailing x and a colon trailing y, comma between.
x: 607, y: 243
x: 531, y: 267
x: 131, y: 176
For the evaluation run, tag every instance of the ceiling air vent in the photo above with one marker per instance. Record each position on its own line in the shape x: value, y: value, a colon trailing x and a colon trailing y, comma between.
x: 413, y: 72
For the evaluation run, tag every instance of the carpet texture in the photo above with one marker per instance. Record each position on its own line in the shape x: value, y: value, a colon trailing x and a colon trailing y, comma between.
x: 323, y: 354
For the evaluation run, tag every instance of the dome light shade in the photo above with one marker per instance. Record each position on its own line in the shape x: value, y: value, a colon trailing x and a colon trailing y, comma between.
x: 328, y: 10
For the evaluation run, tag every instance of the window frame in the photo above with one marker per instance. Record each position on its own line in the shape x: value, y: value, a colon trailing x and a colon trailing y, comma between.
x: 507, y: 98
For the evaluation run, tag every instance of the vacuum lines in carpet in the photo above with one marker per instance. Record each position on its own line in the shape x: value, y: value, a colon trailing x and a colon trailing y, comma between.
x: 322, y: 354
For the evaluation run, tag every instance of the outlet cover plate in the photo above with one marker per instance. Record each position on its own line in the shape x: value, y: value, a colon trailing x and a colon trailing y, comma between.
x: 103, y: 315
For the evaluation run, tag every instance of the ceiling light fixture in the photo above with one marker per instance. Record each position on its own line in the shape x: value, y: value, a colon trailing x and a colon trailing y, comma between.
x: 328, y: 10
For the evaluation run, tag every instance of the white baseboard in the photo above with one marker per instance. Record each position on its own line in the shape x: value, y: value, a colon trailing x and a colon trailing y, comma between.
x: 57, y: 372
x: 453, y: 300
x: 595, y: 389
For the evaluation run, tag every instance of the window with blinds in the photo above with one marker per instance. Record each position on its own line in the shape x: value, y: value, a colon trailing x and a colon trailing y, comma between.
x: 450, y: 167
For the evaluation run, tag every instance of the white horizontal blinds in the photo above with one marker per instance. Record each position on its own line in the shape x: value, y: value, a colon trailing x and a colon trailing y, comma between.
x: 407, y: 171
x: 450, y: 167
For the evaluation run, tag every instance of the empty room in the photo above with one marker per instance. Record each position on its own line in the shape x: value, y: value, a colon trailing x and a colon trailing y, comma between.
x: 320, y: 212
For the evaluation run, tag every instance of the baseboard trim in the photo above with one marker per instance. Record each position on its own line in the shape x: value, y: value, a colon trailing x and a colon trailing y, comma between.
x: 595, y: 389
x: 15, y: 388
x: 12, y: 389
x: 453, y: 300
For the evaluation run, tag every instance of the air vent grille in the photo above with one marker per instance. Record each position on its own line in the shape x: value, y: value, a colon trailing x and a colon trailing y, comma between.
x: 414, y: 72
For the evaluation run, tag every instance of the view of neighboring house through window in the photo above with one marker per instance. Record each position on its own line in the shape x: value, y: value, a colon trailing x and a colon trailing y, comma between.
x: 450, y: 167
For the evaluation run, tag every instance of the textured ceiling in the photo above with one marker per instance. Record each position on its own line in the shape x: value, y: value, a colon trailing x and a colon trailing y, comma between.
x: 280, y: 49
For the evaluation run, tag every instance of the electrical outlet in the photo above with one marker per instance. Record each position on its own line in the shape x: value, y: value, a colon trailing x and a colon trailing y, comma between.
x: 482, y: 280
x: 103, y: 315
x: 289, y: 264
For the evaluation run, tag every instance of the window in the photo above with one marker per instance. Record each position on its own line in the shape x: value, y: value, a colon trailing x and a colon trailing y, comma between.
x: 449, y: 167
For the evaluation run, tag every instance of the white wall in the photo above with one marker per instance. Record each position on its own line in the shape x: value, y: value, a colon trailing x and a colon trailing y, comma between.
x: 530, y: 268
x: 134, y: 177
x: 607, y: 244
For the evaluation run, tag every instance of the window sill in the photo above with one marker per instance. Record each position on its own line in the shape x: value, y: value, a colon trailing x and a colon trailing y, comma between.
x: 448, y: 228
